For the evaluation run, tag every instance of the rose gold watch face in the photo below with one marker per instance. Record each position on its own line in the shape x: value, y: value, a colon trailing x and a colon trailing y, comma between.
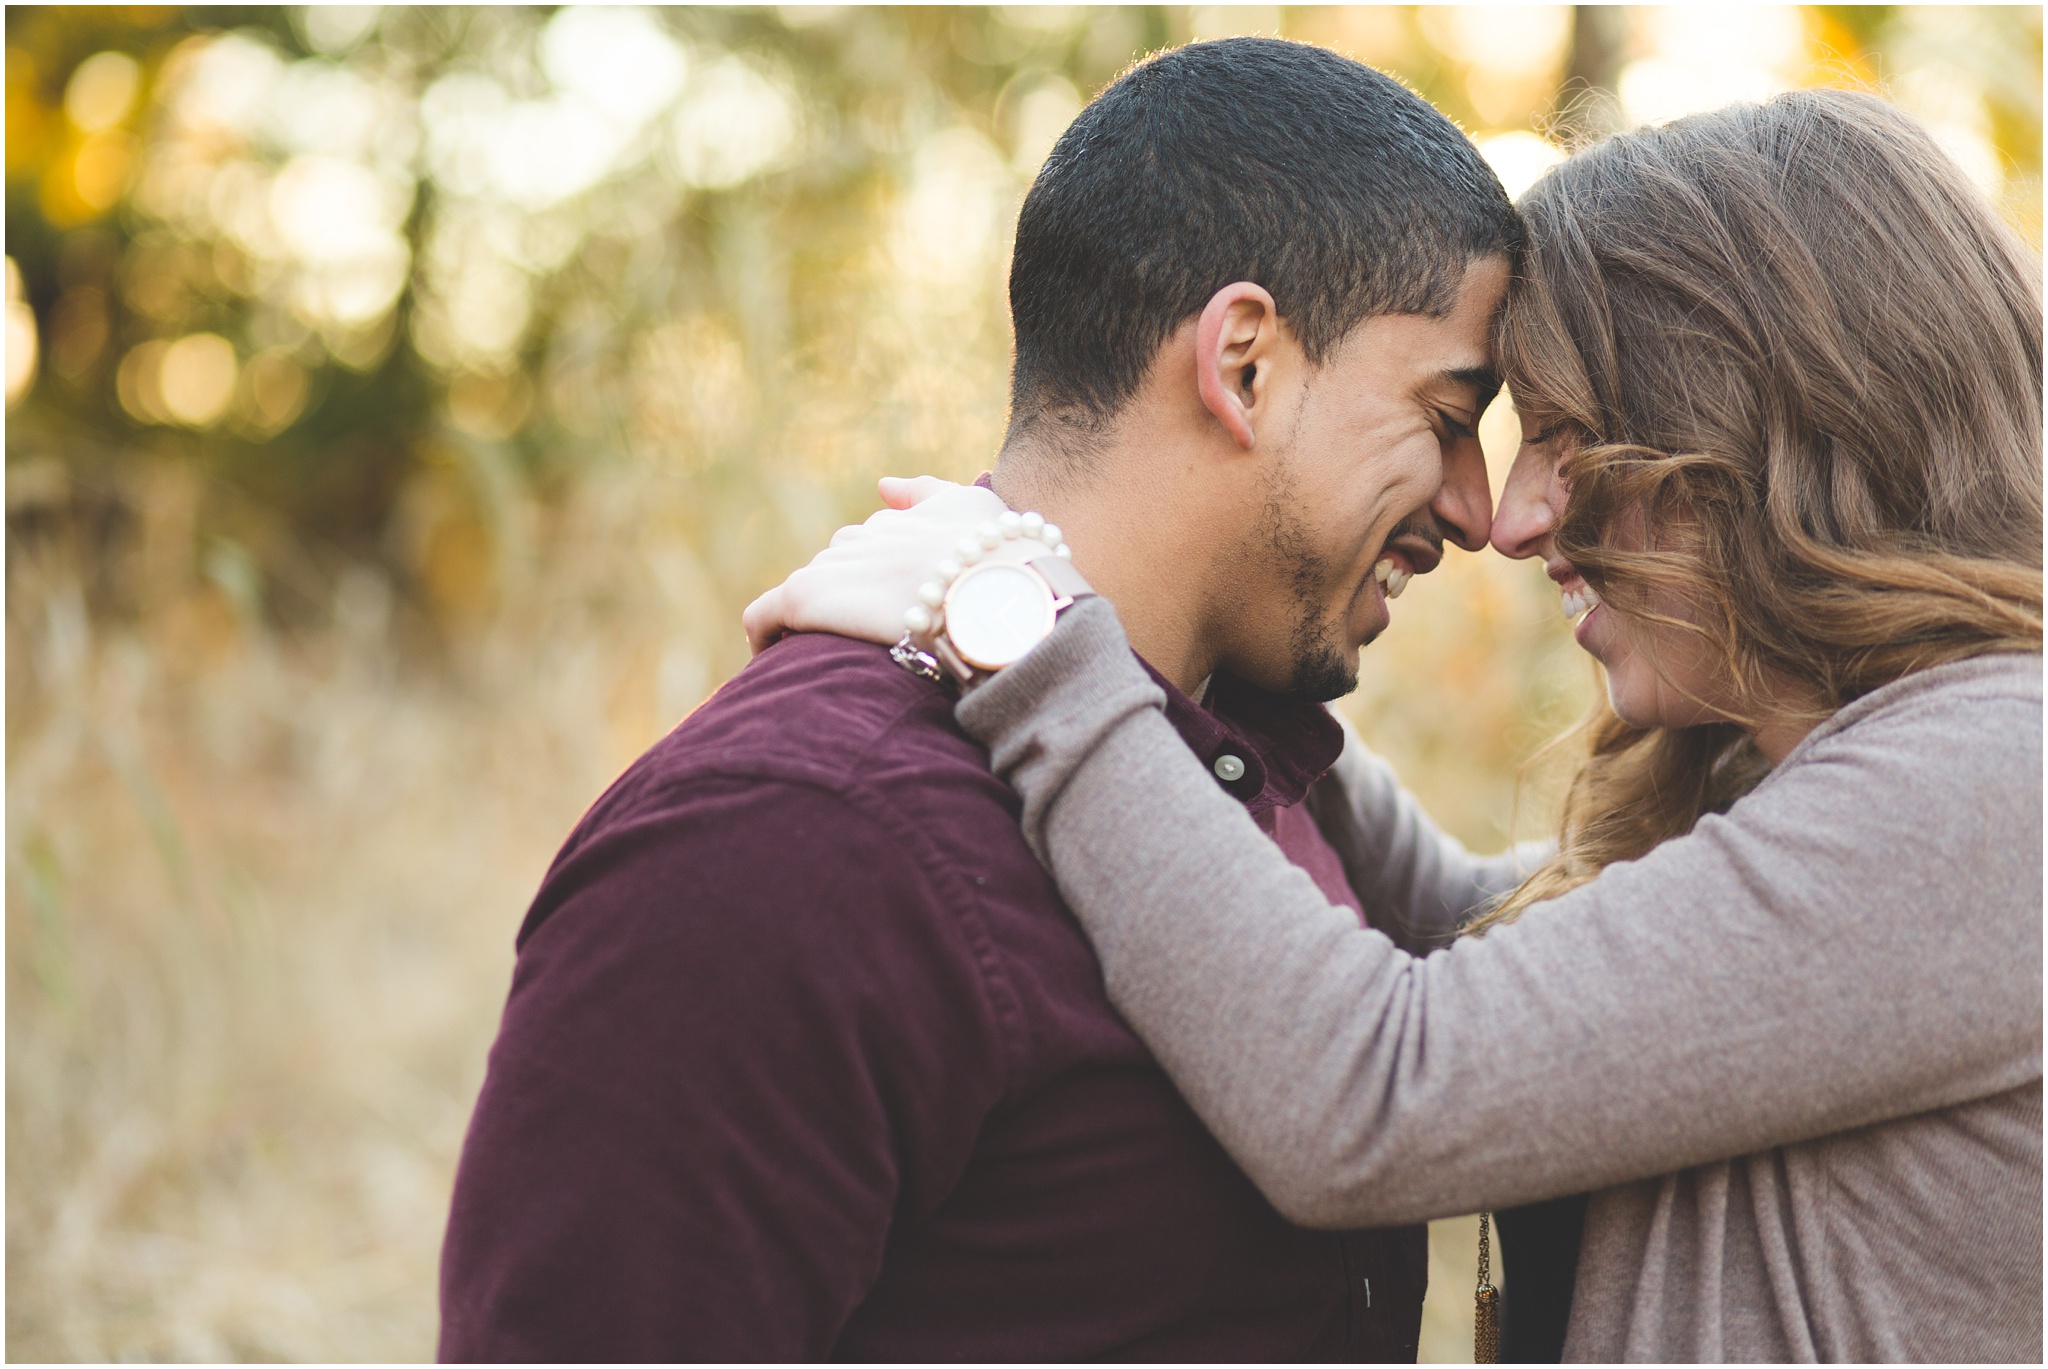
x: 997, y: 611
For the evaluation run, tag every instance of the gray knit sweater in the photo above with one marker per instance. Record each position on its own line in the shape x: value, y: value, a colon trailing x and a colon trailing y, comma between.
x: 1796, y: 1054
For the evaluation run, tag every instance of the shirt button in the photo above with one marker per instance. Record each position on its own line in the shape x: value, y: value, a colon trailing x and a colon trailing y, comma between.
x: 1229, y: 769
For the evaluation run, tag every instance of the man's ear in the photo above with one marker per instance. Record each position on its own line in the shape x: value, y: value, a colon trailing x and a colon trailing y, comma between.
x: 1235, y: 342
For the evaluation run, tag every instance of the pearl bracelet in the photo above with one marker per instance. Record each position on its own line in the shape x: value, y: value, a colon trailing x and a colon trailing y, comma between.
x: 926, y: 615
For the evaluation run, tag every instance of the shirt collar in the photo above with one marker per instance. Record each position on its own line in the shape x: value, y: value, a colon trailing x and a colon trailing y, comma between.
x: 1285, y: 744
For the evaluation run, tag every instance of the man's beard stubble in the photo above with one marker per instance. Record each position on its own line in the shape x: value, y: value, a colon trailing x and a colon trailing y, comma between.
x: 1321, y: 666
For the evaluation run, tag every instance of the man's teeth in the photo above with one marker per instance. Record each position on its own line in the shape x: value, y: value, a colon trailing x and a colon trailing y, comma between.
x: 1580, y: 600
x: 1391, y: 576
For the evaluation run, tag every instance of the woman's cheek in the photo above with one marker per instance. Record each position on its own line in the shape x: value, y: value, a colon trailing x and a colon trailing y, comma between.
x: 1641, y: 696
x: 1632, y: 687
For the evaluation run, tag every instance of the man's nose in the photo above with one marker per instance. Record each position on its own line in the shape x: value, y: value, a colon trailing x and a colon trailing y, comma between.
x: 1464, y: 503
x: 1526, y: 516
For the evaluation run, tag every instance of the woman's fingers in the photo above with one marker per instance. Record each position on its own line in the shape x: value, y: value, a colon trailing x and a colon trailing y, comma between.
x: 764, y: 621
x: 907, y: 491
x: 862, y: 583
x: 857, y: 587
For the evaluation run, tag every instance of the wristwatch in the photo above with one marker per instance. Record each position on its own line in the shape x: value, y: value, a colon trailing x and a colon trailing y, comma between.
x: 996, y: 611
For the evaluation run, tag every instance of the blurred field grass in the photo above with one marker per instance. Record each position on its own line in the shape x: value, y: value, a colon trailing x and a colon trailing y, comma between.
x: 355, y: 540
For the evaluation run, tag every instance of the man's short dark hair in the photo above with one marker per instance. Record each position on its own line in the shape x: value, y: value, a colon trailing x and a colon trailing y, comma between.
x: 1342, y: 192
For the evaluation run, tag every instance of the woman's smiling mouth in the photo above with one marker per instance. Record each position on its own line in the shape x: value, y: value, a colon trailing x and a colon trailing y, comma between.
x: 1577, y: 596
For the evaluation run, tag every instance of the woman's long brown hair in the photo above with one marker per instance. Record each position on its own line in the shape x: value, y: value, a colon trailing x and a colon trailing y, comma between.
x: 1798, y: 354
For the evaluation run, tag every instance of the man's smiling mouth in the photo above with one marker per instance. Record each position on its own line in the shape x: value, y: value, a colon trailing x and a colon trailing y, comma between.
x: 1413, y: 548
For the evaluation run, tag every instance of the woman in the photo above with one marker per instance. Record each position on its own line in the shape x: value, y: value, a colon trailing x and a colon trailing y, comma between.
x: 1775, y: 999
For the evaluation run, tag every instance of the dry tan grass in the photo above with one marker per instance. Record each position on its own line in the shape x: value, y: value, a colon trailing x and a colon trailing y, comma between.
x: 261, y: 902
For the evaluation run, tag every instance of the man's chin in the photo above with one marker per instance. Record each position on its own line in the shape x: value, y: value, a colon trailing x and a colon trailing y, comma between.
x: 1323, y: 675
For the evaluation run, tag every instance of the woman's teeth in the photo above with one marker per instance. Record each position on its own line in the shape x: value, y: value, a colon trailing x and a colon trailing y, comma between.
x: 1580, y: 600
x: 1391, y: 576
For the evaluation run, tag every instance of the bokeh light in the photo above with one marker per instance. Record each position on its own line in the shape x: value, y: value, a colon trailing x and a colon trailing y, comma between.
x: 1698, y: 59
x: 22, y: 342
x: 101, y: 91
x: 402, y: 404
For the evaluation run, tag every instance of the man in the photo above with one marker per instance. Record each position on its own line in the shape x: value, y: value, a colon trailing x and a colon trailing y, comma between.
x: 803, y: 1057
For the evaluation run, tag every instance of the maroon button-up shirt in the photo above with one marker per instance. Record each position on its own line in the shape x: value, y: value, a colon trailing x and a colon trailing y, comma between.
x: 804, y: 1059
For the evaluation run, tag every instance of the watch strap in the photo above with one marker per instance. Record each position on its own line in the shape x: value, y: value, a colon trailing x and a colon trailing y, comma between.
x: 1059, y: 572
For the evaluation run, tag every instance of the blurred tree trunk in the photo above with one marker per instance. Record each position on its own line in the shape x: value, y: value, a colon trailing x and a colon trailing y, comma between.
x: 1587, y: 105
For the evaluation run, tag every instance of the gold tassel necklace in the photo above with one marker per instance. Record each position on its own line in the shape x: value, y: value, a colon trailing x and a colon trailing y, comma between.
x: 1486, y: 1316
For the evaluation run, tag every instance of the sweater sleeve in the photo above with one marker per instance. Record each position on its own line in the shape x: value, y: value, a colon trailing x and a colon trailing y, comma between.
x: 1418, y: 883
x: 1859, y: 939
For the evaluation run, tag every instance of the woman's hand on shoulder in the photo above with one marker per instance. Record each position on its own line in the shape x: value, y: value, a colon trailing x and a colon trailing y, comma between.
x: 862, y: 584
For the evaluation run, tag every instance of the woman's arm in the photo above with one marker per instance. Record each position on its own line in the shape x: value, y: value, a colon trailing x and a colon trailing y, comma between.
x: 1860, y: 940
x: 1418, y: 883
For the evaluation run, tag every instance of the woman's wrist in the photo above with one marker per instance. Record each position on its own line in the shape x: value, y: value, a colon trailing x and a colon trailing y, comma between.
x: 1043, y: 716
x: 990, y: 600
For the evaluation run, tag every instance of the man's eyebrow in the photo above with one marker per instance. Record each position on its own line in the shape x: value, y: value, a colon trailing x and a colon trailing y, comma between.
x: 1483, y: 381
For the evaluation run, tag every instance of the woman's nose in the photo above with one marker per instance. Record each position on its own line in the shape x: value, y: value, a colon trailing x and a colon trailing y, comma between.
x: 1527, y: 511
